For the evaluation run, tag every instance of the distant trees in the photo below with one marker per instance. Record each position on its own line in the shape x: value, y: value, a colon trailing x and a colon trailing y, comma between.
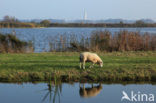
x: 9, y: 19
x: 121, y: 24
x: 45, y: 23
x: 13, y: 22
x: 17, y: 25
x: 140, y: 23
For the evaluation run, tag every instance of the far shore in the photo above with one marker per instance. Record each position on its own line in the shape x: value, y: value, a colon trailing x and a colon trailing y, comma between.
x: 89, y: 25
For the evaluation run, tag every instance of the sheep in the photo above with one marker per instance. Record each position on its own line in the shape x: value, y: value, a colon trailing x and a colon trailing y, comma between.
x: 90, y: 57
x: 90, y: 92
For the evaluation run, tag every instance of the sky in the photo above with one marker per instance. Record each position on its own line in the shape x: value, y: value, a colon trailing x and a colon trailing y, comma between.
x: 74, y: 9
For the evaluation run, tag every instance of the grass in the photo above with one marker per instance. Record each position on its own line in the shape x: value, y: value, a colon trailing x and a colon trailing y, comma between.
x: 118, y: 66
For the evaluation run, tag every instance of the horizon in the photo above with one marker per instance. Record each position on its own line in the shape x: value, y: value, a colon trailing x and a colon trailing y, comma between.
x: 76, y: 19
x: 82, y: 19
x: 93, y: 19
x: 74, y: 10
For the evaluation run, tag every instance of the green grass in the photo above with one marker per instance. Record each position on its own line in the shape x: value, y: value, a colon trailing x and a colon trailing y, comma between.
x: 118, y: 66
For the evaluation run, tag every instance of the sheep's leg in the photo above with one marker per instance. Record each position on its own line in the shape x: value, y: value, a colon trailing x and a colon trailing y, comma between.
x: 80, y: 65
x: 83, y: 65
x: 91, y: 66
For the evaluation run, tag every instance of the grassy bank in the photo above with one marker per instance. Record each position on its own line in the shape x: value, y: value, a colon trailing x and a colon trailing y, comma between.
x: 118, y: 66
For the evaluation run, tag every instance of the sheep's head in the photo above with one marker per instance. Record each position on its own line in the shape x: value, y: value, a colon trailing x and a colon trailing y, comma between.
x: 100, y: 63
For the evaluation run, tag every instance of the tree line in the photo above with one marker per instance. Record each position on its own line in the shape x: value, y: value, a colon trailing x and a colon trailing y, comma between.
x: 12, y: 22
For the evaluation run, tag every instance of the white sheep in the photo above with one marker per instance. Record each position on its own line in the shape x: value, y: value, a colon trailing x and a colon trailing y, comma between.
x: 90, y: 57
x: 90, y: 91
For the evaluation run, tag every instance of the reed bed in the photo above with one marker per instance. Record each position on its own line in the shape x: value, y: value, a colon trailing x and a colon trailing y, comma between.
x: 104, y: 41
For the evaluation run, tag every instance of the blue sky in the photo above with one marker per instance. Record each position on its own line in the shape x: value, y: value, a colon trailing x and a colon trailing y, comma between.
x: 74, y: 9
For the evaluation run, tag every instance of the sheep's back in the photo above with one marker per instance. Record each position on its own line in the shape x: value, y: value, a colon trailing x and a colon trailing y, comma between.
x: 90, y: 56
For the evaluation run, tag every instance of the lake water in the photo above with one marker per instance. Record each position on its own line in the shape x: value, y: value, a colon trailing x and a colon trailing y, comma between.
x: 72, y: 93
x: 41, y: 37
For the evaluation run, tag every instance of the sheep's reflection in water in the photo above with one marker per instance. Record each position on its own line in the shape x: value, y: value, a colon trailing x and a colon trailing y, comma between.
x: 88, y: 92
x: 54, y: 89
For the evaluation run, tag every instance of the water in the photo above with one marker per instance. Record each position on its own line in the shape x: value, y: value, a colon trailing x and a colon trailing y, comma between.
x: 41, y: 37
x: 70, y: 93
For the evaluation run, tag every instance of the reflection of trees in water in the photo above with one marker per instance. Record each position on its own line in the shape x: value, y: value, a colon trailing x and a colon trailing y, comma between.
x: 90, y: 91
x: 53, y: 91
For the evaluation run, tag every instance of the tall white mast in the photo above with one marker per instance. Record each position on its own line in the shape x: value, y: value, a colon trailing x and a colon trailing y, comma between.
x: 85, y: 15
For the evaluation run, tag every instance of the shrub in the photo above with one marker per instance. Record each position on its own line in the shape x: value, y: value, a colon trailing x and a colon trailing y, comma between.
x: 11, y: 44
